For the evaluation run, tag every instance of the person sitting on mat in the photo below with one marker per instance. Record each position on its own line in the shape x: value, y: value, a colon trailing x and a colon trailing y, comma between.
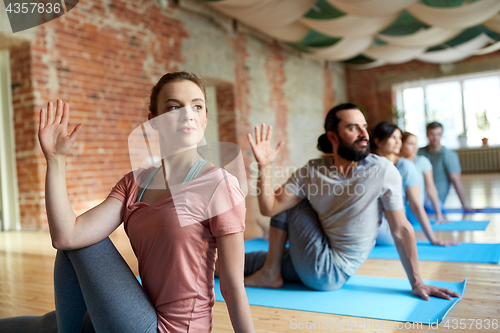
x: 176, y: 260
x: 409, y: 151
x: 386, y: 141
x: 446, y: 167
x: 330, y: 211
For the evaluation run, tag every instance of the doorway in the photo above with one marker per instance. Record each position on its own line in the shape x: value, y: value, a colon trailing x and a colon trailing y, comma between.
x: 9, y: 197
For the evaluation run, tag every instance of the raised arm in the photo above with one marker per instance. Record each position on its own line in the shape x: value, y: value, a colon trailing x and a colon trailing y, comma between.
x: 432, y: 193
x: 413, y: 194
x: 270, y: 202
x: 231, y: 259
x: 404, y: 238
x: 66, y: 230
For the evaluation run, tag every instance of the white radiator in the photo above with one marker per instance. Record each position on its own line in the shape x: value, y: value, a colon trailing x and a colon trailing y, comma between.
x: 485, y: 159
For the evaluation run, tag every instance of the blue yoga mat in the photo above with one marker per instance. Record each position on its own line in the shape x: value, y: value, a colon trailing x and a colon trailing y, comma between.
x: 361, y: 296
x: 487, y: 210
x: 465, y: 252
x: 256, y: 244
x: 462, y: 225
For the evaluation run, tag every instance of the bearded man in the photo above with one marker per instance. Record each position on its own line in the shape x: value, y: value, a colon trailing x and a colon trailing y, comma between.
x: 330, y: 211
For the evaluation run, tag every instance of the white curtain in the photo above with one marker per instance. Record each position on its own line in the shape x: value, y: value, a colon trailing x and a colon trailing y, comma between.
x: 393, y: 54
x: 422, y: 38
x: 457, y: 53
x: 291, y: 33
x: 376, y: 63
x: 493, y: 23
x: 350, y: 26
x: 468, y: 15
x: 344, y: 49
x: 265, y: 14
x: 488, y: 49
x: 371, y: 8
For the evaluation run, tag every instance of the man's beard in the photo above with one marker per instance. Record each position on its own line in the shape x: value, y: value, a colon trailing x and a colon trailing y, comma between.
x: 350, y: 153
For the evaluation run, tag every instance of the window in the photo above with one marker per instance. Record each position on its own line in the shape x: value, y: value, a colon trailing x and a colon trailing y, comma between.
x: 456, y: 102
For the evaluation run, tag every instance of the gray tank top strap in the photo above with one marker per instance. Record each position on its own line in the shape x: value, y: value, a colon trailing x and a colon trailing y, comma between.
x: 146, y: 183
x: 193, y: 172
x: 195, y: 169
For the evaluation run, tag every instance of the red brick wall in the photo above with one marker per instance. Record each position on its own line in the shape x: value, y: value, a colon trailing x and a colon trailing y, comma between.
x: 243, y: 109
x: 362, y: 89
x: 227, y: 115
x: 242, y: 96
x: 363, y: 85
x: 276, y: 77
x: 28, y: 154
x: 99, y: 70
x: 329, y: 94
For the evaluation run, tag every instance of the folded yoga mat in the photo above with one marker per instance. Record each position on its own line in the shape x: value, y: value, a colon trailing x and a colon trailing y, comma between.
x: 465, y: 252
x: 361, y: 296
x: 487, y: 210
x: 462, y: 225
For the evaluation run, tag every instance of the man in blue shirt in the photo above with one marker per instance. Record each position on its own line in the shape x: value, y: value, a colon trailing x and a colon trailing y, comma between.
x: 330, y: 228
x: 445, y: 165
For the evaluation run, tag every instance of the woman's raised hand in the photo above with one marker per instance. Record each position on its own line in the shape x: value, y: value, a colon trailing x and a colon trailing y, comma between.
x: 262, y: 150
x: 53, y: 131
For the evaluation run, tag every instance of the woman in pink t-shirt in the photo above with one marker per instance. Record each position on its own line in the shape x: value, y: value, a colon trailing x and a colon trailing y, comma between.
x: 176, y: 215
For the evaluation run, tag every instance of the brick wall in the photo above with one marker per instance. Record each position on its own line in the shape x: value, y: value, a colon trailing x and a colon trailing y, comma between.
x: 104, y: 57
x: 371, y: 88
x: 28, y: 155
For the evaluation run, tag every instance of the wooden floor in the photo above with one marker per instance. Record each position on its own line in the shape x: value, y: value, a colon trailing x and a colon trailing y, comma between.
x: 26, y: 260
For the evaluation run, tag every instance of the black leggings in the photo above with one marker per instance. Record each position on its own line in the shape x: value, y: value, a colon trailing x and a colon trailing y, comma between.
x: 95, y: 291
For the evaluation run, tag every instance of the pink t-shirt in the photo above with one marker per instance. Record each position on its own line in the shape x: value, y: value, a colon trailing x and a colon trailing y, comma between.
x: 177, y: 259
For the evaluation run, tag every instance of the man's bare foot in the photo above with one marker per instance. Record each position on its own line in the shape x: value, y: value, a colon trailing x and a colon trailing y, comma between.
x: 264, y: 279
x: 264, y: 227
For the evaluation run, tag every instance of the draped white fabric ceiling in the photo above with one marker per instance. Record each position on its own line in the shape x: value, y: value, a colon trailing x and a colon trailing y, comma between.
x: 371, y: 33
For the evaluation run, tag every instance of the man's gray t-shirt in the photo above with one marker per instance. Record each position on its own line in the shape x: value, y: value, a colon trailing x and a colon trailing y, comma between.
x: 444, y: 162
x: 350, y: 208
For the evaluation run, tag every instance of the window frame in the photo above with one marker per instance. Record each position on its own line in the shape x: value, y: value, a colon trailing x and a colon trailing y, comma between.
x: 398, y: 89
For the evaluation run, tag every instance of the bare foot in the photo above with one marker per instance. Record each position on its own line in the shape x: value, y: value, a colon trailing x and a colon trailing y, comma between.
x: 264, y: 227
x: 264, y: 279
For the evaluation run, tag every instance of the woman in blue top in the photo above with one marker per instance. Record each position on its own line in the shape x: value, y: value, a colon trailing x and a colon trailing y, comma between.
x: 409, y: 151
x: 386, y: 141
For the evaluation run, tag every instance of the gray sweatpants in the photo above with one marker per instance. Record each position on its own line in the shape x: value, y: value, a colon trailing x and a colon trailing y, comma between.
x: 95, y: 291
x: 309, y: 258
